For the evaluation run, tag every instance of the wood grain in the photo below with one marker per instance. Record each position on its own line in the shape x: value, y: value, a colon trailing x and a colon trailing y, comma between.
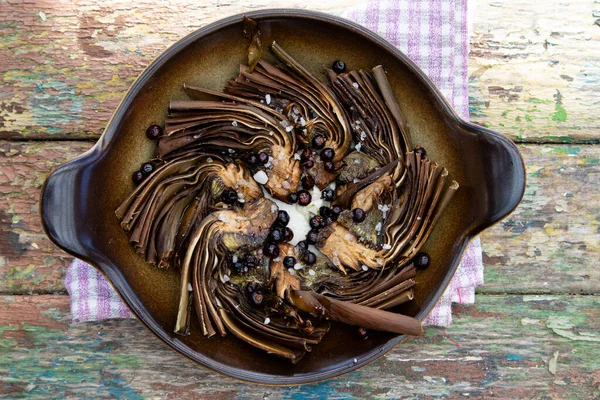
x: 500, y: 348
x: 66, y: 65
x: 534, y: 69
x: 553, y: 234
x: 29, y: 262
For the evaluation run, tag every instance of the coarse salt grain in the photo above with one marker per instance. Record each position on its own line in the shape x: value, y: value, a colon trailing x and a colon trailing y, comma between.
x: 231, y: 151
x: 386, y: 246
x: 378, y: 227
x: 380, y: 261
x: 298, y: 266
x: 285, y: 184
x: 291, y: 271
x: 355, y: 85
x: 274, y: 208
x: 234, y: 123
x: 226, y: 278
x: 268, y: 98
x: 348, y: 236
x: 365, y: 268
x: 289, y: 128
x: 355, y: 180
x: 223, y: 218
x: 418, y: 218
x: 363, y: 136
x: 267, y: 321
x: 277, y: 259
x: 302, y: 121
x: 311, y: 272
x: 297, y: 156
x: 357, y: 161
x: 234, y: 258
x: 190, y: 287
x: 358, y: 146
x: 208, y: 159
x: 261, y: 177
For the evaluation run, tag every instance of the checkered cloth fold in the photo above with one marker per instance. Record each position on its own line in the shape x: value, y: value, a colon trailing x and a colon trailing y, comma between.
x: 434, y: 34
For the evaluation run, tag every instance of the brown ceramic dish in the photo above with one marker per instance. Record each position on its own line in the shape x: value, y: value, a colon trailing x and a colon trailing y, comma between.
x: 80, y: 197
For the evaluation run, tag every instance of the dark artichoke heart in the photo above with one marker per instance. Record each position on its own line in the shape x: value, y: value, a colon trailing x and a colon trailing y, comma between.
x: 357, y: 165
x: 366, y: 231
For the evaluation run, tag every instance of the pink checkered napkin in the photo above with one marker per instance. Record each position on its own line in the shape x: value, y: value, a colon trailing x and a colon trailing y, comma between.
x: 434, y: 34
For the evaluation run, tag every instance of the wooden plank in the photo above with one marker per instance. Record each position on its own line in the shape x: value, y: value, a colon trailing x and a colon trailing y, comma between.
x: 551, y: 243
x: 553, y: 234
x: 500, y: 347
x: 537, y: 77
x: 65, y: 66
x: 29, y: 262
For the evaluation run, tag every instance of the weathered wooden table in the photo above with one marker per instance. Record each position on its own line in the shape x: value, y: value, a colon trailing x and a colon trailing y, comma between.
x: 534, y: 330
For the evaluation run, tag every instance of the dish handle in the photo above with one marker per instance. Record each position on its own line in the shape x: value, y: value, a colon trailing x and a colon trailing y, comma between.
x: 62, y: 204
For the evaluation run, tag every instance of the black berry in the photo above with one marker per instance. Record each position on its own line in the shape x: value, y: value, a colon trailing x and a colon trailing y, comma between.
x: 328, y: 195
x: 329, y: 166
x: 308, y: 182
x: 275, y: 235
x: 238, y: 266
x: 263, y: 158
x: 421, y: 260
x: 316, y: 222
x: 153, y: 132
x: 318, y: 142
x: 325, y: 212
x: 252, y: 159
x: 256, y: 298
x: 328, y: 221
x: 292, y: 198
x: 288, y: 234
x: 309, y: 258
x: 302, y: 245
x: 312, y: 236
x: 271, y: 250
x: 306, y: 154
x: 338, y: 66
x: 358, y: 215
x: 137, y: 177
x: 289, y: 262
x: 304, y: 198
x: 147, y: 168
x: 327, y: 154
x: 336, y: 211
x: 308, y: 164
x: 421, y: 151
x: 229, y: 196
x: 252, y: 287
x: 283, y: 218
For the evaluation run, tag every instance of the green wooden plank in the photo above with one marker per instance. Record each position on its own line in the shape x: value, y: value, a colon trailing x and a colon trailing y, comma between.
x: 500, y: 347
